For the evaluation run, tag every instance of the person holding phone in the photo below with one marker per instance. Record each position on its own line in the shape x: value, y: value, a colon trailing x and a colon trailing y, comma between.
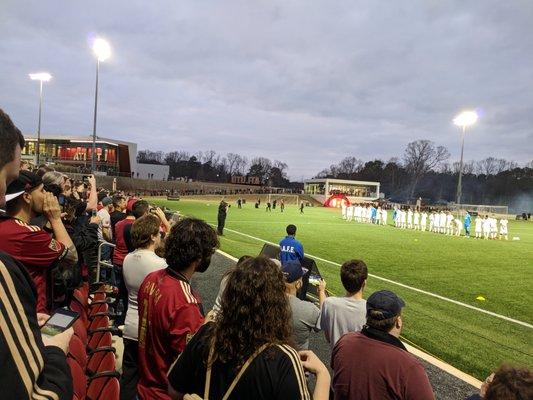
x: 32, y: 365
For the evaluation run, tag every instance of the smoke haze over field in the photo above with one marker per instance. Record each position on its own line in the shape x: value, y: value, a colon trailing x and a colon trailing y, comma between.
x: 307, y: 83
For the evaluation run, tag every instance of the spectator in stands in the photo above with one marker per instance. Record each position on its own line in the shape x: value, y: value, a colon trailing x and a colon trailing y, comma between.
x: 32, y: 366
x: 507, y: 383
x: 118, y: 214
x: 32, y: 246
x: 291, y: 249
x: 255, y: 288
x: 223, y: 283
x: 304, y: 313
x: 104, y: 231
x: 340, y: 315
x: 170, y: 312
x: 374, y: 363
x: 135, y: 209
x: 145, y: 237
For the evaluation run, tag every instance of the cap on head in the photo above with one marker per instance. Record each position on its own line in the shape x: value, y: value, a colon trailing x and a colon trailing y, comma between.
x: 384, y: 304
x: 107, y: 201
x: 26, y: 182
x: 292, y: 272
x: 129, y: 205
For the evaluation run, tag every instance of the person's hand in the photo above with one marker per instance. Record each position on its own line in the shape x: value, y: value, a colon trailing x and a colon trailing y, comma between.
x: 160, y: 214
x: 311, y: 362
x: 51, y: 208
x: 95, y: 219
x: 60, y: 340
x: 42, y: 318
x: 322, y: 285
x: 485, y: 385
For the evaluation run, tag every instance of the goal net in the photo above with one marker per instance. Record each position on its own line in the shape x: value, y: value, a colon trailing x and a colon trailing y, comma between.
x: 481, y: 209
x: 292, y: 199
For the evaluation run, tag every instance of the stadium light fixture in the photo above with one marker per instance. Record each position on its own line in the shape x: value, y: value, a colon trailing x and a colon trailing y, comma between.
x: 102, y: 51
x: 41, y: 77
x: 464, y: 119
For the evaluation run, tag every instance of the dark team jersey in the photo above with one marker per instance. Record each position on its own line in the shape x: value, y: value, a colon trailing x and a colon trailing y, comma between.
x: 37, y: 250
x: 30, y: 370
x: 169, y: 314
x: 275, y: 374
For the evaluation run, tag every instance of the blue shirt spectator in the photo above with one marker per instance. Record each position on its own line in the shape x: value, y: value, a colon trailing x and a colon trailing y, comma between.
x: 291, y: 249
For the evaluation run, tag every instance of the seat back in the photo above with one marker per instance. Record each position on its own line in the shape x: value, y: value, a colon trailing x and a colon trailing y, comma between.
x: 101, y: 361
x: 103, y: 388
x: 99, y: 322
x: 80, y: 330
x: 99, y: 340
x: 76, y: 351
x: 79, y: 380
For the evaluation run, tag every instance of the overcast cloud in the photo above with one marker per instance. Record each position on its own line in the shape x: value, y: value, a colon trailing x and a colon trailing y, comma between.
x: 305, y: 82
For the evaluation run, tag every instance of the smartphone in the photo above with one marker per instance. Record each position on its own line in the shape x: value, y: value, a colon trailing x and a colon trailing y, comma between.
x: 59, y: 322
x: 94, y: 213
x: 315, y: 278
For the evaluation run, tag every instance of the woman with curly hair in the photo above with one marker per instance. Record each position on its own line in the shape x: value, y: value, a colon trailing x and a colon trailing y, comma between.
x: 247, y: 353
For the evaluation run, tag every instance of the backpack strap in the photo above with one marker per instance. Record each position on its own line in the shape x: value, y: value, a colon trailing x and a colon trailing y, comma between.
x: 237, y: 378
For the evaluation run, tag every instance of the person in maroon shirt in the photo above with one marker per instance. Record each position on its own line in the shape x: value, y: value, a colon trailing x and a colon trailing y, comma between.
x: 39, y: 251
x: 374, y: 364
x: 170, y: 312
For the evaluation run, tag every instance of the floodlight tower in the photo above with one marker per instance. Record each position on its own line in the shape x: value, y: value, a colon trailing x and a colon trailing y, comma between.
x: 464, y: 119
x: 102, y: 51
x: 41, y: 77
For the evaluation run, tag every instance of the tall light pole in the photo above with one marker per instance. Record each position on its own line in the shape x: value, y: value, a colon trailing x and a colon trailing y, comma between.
x: 464, y: 119
x: 102, y: 51
x: 41, y: 77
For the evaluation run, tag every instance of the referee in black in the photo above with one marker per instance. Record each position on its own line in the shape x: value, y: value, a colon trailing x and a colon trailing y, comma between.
x: 222, y: 211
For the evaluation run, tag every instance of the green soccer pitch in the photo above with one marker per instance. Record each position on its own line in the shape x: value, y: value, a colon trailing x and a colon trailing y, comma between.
x: 456, y: 268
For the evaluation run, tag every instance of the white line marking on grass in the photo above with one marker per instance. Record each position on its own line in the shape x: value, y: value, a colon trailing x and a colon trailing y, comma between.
x: 515, y: 321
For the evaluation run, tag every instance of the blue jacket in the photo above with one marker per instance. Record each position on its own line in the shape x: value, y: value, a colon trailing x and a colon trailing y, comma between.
x: 291, y: 250
x: 468, y: 220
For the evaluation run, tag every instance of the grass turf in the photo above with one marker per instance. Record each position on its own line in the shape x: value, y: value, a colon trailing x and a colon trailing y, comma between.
x: 454, y: 267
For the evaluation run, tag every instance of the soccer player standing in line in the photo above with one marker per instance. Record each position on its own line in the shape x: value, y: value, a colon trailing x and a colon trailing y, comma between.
x: 467, y: 223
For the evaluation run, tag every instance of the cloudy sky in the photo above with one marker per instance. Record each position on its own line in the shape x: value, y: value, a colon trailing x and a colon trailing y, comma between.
x: 305, y: 82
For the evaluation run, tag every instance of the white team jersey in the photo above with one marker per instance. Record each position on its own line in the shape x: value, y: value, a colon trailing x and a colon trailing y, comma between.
x: 416, y: 218
x: 423, y: 218
x: 486, y: 225
x: 403, y: 216
x: 449, y: 219
x: 503, y: 226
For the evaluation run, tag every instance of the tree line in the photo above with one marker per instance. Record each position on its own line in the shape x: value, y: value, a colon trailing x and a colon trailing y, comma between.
x: 424, y: 170
x: 213, y: 167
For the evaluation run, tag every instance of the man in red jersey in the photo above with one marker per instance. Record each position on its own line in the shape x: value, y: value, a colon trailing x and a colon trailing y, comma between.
x: 170, y: 312
x: 29, y: 244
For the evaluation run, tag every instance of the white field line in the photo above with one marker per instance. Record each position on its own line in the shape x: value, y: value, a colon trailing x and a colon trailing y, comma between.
x: 493, y: 314
x: 450, y: 369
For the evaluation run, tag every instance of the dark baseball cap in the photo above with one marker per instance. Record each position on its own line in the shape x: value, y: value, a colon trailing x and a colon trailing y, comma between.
x: 26, y: 182
x: 292, y: 272
x: 107, y: 201
x: 387, y: 303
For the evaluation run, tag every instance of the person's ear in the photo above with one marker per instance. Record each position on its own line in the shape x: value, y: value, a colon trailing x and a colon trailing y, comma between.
x: 26, y: 197
x: 399, y: 322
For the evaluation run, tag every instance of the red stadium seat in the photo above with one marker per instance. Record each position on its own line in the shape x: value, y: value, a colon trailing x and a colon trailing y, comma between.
x: 100, y: 338
x: 104, y: 386
x: 80, y: 330
x: 101, y: 360
x: 79, y: 380
x: 76, y: 351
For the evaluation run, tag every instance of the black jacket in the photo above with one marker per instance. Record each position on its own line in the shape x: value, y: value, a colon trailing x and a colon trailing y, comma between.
x: 28, y: 369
